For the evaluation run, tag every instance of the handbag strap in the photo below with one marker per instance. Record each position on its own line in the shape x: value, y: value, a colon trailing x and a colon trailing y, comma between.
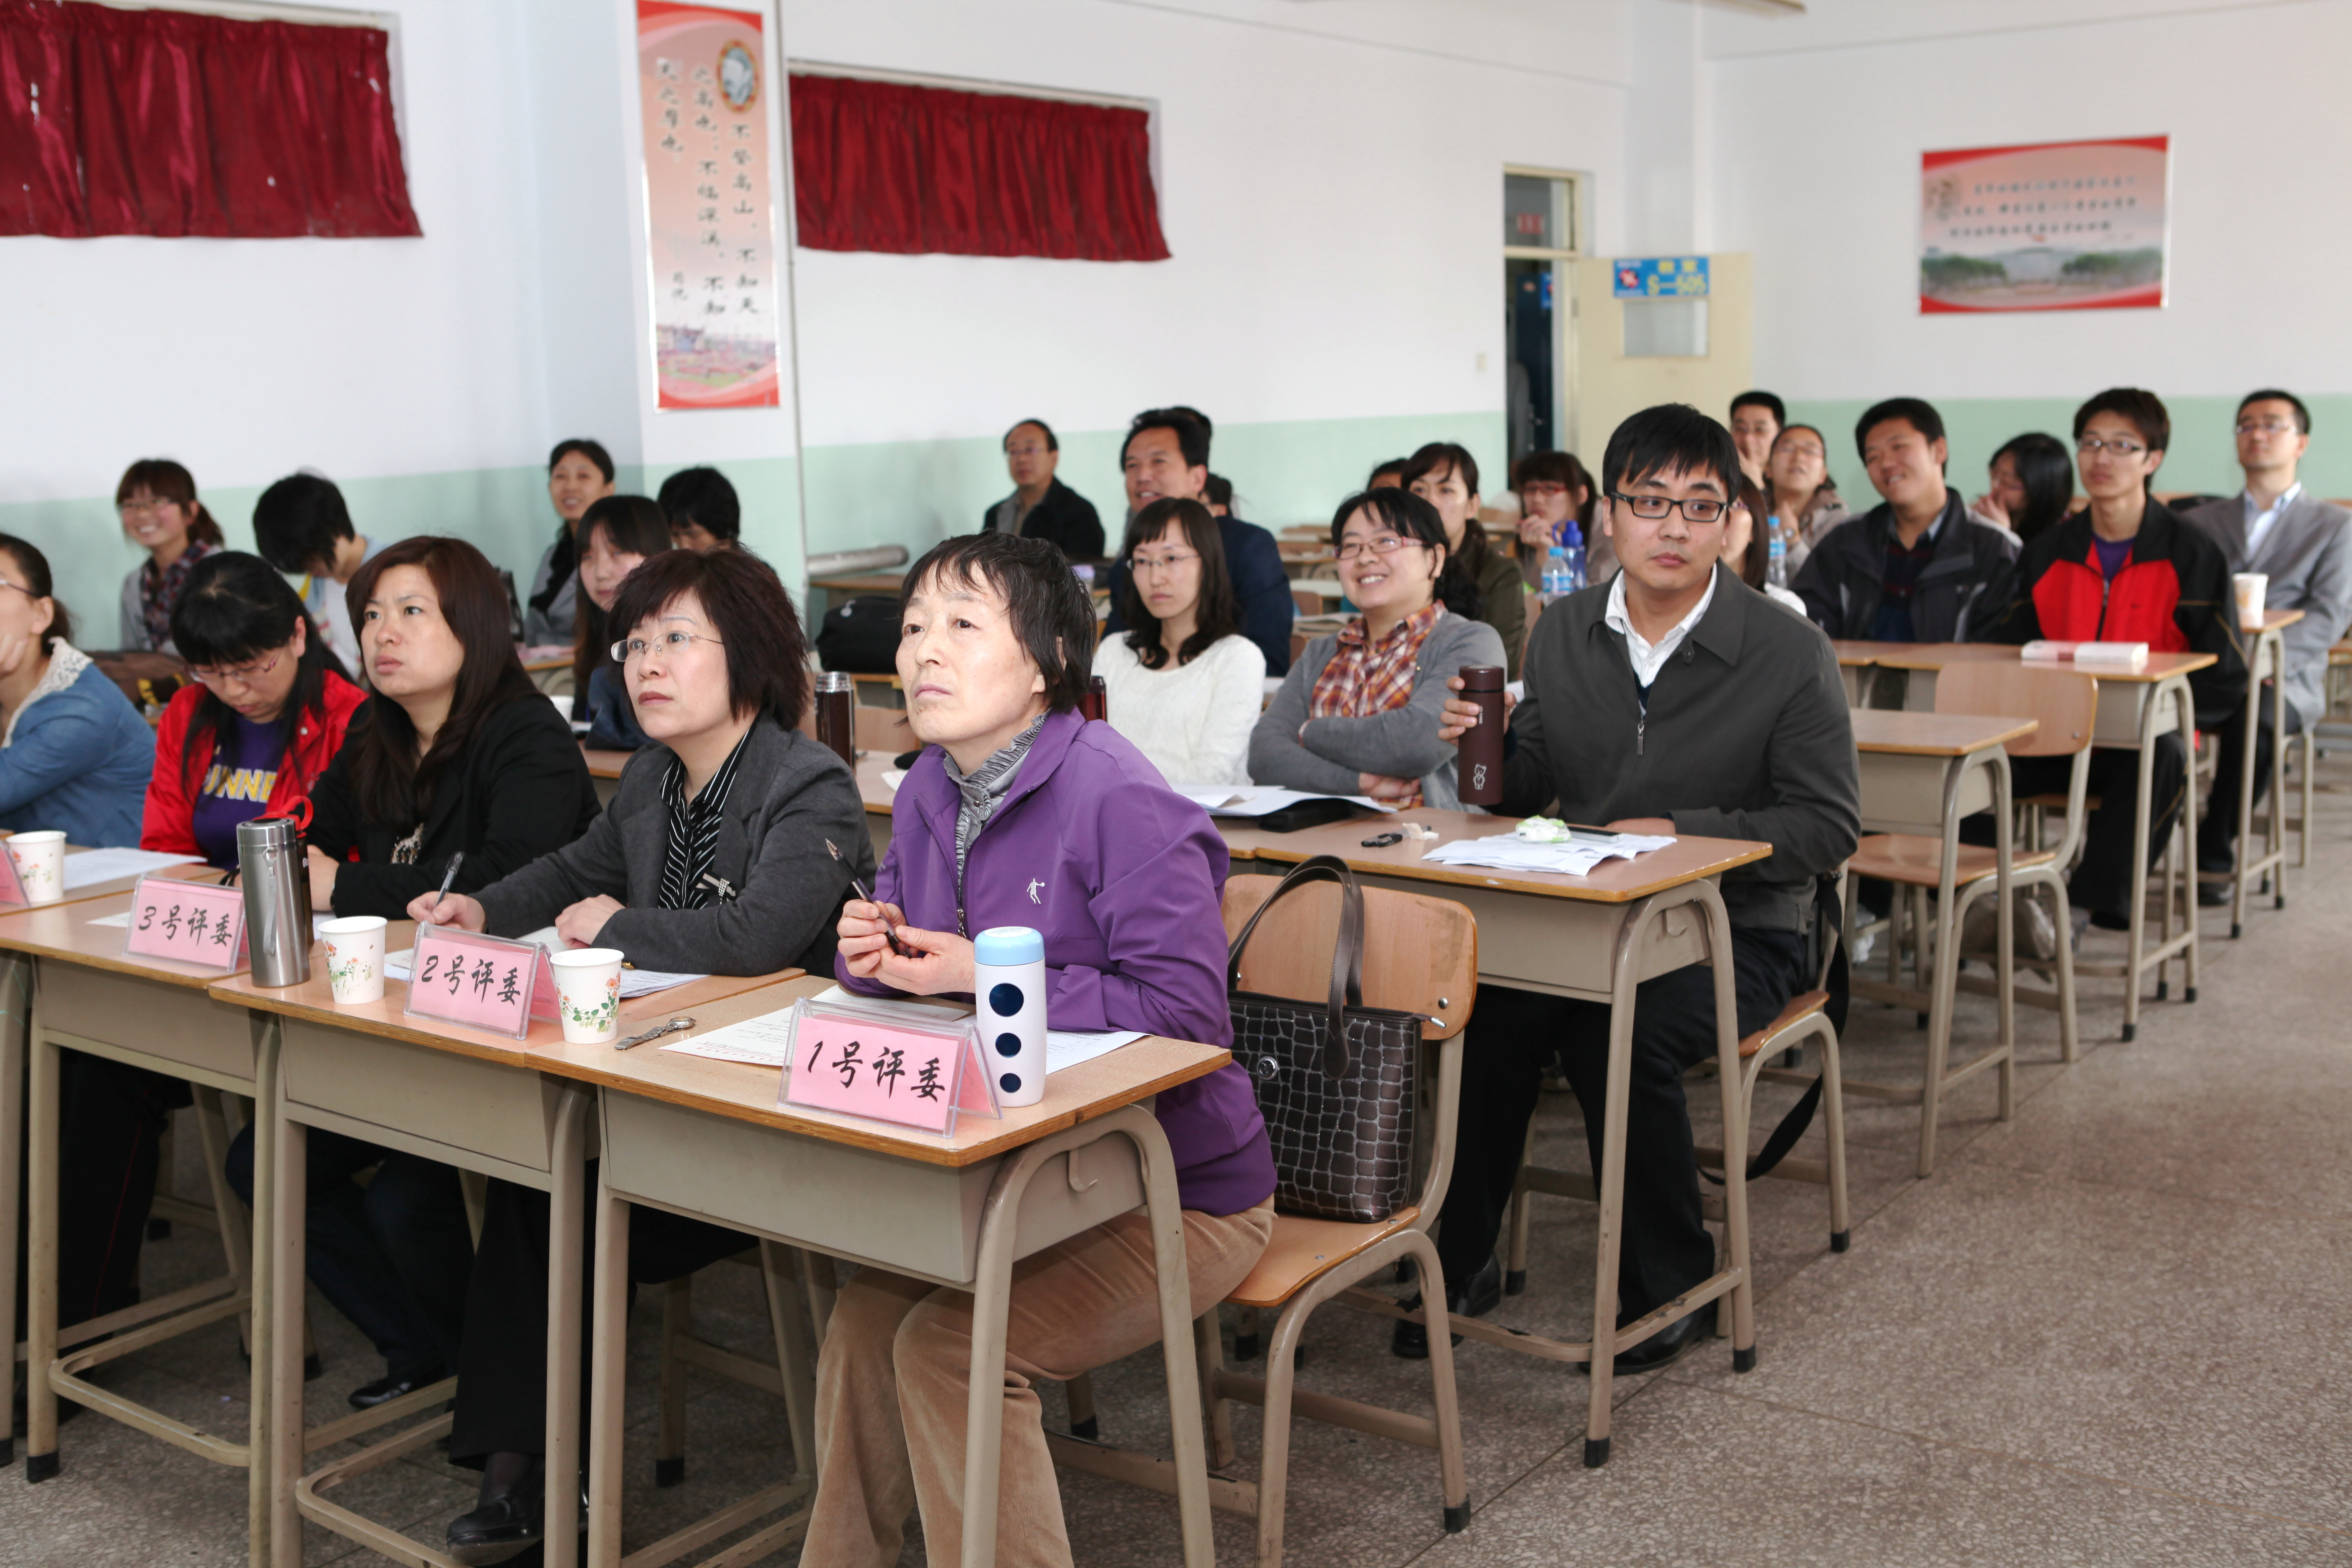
x: 1347, y: 952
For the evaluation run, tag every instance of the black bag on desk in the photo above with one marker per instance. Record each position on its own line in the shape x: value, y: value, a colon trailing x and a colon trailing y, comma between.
x: 861, y: 637
x: 1337, y: 1082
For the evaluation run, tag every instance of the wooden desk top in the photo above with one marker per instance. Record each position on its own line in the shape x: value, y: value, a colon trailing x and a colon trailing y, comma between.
x: 1934, y: 735
x: 1852, y: 654
x: 604, y: 765
x: 1612, y: 882
x: 744, y: 1091
x: 861, y: 582
x: 62, y: 933
x: 193, y: 870
x: 1936, y: 656
x: 2278, y: 620
x: 878, y: 796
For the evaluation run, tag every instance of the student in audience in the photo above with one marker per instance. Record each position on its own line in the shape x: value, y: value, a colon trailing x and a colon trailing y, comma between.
x: 711, y: 860
x: 579, y: 474
x: 2033, y: 485
x: 1041, y: 506
x: 1391, y: 473
x: 74, y: 753
x: 1446, y: 476
x: 615, y: 534
x: 703, y: 513
x: 2125, y: 569
x: 1167, y: 454
x: 1747, y: 549
x: 301, y: 527
x: 156, y: 500
x: 1356, y: 713
x: 457, y: 749
x: 1182, y: 682
x: 1553, y: 488
x: 265, y: 714
x: 2303, y: 545
x: 1917, y: 567
x: 1014, y: 794
x: 1799, y: 496
x: 1757, y: 418
x: 1667, y: 703
x: 1217, y: 495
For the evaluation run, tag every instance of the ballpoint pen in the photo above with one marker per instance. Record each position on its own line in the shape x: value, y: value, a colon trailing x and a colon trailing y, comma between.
x: 900, y: 948
x: 448, y: 877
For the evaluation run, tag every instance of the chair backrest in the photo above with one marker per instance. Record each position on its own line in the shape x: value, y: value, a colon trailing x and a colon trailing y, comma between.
x: 883, y: 730
x: 1306, y: 603
x: 2065, y: 702
x: 1421, y: 954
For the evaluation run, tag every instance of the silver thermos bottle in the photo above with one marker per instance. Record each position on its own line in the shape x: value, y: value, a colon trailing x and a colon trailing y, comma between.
x: 270, y: 864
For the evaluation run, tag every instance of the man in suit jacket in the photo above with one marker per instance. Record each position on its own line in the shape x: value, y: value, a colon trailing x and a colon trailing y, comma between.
x: 1041, y: 506
x: 2304, y: 546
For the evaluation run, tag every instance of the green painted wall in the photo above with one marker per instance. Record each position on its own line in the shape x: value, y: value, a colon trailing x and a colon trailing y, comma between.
x: 2203, y: 458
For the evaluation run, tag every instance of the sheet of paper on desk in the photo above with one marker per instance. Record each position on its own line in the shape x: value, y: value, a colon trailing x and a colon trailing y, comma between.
x: 1508, y: 852
x: 894, y: 777
x: 1261, y: 800
x: 119, y: 920
x: 94, y: 866
x: 763, y: 1040
x: 634, y: 981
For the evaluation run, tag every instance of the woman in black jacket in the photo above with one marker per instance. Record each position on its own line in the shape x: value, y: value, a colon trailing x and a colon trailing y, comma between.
x: 454, y: 751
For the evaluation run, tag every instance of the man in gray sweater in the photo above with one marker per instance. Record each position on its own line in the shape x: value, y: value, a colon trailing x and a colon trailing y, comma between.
x: 1673, y: 700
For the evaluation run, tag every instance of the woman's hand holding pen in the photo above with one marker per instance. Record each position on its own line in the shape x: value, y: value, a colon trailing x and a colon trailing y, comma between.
x: 933, y: 962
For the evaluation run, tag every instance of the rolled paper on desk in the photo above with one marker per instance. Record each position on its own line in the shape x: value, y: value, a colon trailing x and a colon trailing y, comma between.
x: 2090, y: 655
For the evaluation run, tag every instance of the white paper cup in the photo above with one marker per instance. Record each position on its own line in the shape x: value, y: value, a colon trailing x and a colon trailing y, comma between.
x: 40, y: 857
x: 2250, y: 588
x: 588, y: 994
x: 354, y: 958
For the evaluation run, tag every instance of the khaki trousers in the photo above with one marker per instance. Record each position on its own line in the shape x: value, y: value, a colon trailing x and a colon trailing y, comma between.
x: 891, y: 1385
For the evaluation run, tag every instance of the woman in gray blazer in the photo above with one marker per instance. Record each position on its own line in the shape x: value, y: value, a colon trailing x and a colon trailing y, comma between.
x: 1356, y: 713
x: 710, y: 859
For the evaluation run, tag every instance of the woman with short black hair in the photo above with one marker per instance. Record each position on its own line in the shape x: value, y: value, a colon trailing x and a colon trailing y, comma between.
x: 1480, y: 580
x: 579, y: 473
x: 1182, y: 682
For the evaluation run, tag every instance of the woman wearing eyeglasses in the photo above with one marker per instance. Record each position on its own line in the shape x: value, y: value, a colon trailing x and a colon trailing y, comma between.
x: 1358, y: 712
x: 712, y: 860
x: 1182, y: 682
x: 156, y: 501
x: 73, y: 752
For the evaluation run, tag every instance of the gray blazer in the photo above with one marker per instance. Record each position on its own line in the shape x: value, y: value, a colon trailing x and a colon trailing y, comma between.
x: 134, y: 617
x: 1327, y: 754
x: 789, y: 795
x: 2308, y: 554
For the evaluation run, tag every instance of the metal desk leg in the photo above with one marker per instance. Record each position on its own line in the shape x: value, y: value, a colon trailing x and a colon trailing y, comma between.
x: 290, y: 1212
x: 607, y: 1374
x: 16, y: 1028
x: 567, y: 1213
x: 262, y: 1426
x: 41, y: 1256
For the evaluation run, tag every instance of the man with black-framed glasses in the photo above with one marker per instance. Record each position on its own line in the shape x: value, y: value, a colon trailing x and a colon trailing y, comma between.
x: 1671, y: 699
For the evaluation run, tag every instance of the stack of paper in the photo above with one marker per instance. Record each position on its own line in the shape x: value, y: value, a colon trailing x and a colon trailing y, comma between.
x: 1261, y: 800
x: 88, y: 867
x: 1577, y: 856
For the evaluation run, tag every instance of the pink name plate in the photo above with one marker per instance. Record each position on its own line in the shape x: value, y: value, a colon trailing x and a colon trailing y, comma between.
x: 486, y: 982
x: 896, y: 1062
x: 193, y: 923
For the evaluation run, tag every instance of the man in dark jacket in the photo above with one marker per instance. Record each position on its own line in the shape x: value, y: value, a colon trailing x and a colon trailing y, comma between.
x: 2126, y: 570
x: 1041, y: 506
x: 1917, y: 567
x: 1673, y: 699
x: 1167, y: 454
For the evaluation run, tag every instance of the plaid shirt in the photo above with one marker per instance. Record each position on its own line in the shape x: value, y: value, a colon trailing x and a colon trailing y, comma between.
x: 1364, y: 678
x: 159, y: 590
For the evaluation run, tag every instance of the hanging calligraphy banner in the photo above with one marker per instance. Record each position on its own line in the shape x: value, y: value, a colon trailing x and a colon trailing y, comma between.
x: 709, y: 232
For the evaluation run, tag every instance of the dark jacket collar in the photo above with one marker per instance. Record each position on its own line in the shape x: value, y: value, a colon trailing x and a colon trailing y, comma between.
x: 1722, y: 631
x: 1951, y: 529
x: 2159, y: 525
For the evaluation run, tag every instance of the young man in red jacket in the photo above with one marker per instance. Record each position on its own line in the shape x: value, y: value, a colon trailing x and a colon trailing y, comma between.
x: 2127, y: 569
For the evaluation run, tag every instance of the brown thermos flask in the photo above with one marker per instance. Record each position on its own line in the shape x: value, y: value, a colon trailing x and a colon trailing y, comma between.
x: 836, y: 723
x: 1095, y: 703
x: 1479, y: 779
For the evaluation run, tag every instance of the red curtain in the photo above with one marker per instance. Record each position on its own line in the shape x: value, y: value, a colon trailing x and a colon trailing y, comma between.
x: 168, y: 123
x: 880, y: 166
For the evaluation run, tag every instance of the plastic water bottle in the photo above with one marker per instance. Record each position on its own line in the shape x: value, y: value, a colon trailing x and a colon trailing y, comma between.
x: 1776, y: 566
x: 1572, y: 544
x: 1555, y: 575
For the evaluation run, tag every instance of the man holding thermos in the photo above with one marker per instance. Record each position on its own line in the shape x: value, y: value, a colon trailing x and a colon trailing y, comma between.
x: 1674, y: 700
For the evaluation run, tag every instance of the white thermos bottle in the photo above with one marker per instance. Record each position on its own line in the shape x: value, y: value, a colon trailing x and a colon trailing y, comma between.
x: 1008, y: 984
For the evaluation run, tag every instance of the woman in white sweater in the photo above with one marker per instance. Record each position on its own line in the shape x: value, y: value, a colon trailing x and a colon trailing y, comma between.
x: 1182, y: 682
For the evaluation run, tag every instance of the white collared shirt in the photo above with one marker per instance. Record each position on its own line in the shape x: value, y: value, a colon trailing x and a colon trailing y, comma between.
x: 2258, y: 524
x: 1650, y: 657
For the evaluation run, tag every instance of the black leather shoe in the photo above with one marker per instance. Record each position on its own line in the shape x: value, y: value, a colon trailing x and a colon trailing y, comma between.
x: 384, y: 1390
x: 1473, y: 1298
x: 1669, y: 1345
x: 500, y: 1528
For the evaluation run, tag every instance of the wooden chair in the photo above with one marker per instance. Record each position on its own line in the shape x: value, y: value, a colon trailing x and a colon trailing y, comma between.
x: 1307, y: 601
x: 2065, y: 704
x: 1421, y: 955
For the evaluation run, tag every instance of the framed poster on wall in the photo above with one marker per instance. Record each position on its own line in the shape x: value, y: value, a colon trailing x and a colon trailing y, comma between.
x: 2058, y: 225
x: 710, y: 235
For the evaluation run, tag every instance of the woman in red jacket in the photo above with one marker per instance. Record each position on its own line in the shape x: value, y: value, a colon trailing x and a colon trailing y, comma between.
x: 263, y: 719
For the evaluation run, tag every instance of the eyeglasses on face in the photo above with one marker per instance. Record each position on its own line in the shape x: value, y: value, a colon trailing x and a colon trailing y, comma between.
x: 244, y: 675
x: 2121, y: 446
x: 668, y: 643
x: 2266, y: 426
x: 135, y: 507
x: 1696, y: 509
x: 1170, y: 561
x: 1541, y: 490
x: 1384, y: 544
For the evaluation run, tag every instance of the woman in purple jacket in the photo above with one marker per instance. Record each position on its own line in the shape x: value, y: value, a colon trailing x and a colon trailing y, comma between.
x: 1021, y: 813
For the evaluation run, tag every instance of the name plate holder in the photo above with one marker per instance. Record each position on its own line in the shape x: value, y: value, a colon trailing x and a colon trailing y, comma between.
x: 201, y: 923
x: 12, y: 886
x: 896, y: 1062
x: 487, y: 983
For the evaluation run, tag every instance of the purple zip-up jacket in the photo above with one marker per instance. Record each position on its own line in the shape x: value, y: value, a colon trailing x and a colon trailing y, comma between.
x: 1123, y: 877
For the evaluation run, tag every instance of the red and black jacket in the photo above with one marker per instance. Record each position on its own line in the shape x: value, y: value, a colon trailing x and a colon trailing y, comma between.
x: 2173, y: 594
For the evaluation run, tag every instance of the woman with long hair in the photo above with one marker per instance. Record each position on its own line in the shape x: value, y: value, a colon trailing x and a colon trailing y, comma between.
x: 1799, y: 494
x: 1182, y: 682
x: 156, y: 502
x: 1553, y: 488
x: 2032, y: 486
x: 579, y: 472
x: 1748, y: 546
x: 1481, y: 581
x: 615, y: 534
x: 73, y: 751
